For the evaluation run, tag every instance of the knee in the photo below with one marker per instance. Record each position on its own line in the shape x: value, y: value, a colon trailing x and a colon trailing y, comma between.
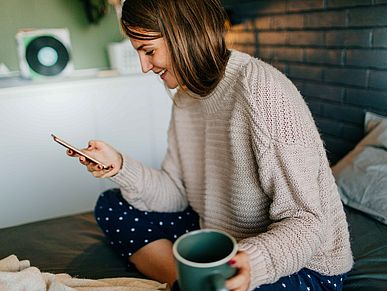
x: 107, y: 199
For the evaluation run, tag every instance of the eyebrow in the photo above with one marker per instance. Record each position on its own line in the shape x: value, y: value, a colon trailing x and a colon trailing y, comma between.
x: 142, y: 46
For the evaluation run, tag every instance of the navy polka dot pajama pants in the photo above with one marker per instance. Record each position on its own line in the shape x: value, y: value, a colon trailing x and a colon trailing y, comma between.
x: 307, y: 280
x: 129, y: 229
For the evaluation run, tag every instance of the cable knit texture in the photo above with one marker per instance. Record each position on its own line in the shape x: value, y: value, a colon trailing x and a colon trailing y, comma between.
x: 249, y: 159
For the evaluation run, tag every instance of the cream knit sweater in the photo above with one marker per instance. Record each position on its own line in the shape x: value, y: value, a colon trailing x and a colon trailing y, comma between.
x: 249, y: 159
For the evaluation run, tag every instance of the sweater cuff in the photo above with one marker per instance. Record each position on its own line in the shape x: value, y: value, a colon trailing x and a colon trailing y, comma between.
x: 129, y: 174
x: 258, y: 270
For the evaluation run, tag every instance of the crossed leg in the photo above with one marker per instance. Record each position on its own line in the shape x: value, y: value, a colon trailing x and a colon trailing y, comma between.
x: 155, y: 260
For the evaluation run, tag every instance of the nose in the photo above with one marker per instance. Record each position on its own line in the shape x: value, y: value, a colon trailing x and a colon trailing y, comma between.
x: 146, y: 65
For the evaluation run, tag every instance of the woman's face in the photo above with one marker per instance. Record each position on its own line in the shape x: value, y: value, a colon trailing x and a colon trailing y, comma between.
x: 154, y: 57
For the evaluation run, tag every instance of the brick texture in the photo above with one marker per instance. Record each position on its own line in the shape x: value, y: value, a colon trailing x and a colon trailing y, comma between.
x: 335, y: 52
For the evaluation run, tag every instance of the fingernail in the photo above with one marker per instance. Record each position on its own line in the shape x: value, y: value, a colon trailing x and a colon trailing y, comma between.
x: 231, y: 262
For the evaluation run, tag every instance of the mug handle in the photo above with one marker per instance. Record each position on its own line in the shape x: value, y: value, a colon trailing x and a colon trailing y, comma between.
x: 217, y: 282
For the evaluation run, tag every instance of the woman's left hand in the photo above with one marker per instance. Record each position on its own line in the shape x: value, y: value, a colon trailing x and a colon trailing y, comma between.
x: 241, y: 281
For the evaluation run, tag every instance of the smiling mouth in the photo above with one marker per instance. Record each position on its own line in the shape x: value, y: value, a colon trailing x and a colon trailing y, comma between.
x: 162, y: 73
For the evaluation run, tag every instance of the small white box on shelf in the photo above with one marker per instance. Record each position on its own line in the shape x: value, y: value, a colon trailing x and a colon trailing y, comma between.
x: 124, y: 58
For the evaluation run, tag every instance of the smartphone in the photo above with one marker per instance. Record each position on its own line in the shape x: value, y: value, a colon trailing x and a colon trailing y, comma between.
x: 75, y: 150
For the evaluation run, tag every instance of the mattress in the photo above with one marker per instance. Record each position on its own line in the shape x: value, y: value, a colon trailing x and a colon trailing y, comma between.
x: 72, y: 244
x: 75, y: 245
x: 369, y: 247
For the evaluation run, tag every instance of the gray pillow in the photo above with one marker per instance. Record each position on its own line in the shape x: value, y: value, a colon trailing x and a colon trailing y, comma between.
x: 371, y: 120
x: 361, y: 175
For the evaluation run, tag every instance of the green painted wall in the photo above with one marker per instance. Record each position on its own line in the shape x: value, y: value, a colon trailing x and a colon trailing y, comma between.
x: 88, y: 41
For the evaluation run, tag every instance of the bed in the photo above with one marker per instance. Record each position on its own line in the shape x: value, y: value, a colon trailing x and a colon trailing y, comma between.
x: 76, y: 246
x: 72, y: 244
x: 369, y: 246
x: 361, y: 176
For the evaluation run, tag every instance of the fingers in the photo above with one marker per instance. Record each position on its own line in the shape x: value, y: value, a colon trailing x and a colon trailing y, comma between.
x: 90, y: 166
x: 101, y: 151
x: 70, y: 153
x: 104, y: 173
x: 97, y: 170
x: 241, y: 281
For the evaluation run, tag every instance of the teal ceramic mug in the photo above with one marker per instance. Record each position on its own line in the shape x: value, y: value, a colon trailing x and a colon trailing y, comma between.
x: 201, y: 259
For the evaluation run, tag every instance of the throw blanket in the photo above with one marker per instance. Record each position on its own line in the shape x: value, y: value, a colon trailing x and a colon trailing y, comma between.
x: 18, y: 275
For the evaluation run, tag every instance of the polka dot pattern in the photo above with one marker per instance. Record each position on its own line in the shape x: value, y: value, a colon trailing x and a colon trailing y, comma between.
x: 129, y: 229
x: 306, y: 280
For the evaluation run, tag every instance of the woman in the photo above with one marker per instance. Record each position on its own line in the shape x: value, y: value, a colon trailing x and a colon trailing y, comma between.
x: 244, y: 156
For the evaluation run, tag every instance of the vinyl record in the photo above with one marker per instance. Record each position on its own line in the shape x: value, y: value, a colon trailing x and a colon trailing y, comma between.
x: 47, y: 56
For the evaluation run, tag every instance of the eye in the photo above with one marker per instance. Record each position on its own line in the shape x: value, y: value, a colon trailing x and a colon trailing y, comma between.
x: 149, y: 53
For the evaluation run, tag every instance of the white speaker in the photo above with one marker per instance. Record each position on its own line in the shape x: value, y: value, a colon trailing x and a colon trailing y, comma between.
x: 44, y: 53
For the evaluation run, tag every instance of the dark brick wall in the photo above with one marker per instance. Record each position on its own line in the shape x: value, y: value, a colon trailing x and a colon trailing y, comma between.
x: 335, y: 51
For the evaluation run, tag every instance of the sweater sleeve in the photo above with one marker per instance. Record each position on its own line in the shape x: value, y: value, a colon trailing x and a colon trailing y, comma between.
x: 289, y: 162
x: 295, y: 234
x: 151, y: 189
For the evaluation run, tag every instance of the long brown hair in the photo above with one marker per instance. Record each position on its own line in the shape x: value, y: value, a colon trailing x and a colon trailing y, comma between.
x: 194, y: 33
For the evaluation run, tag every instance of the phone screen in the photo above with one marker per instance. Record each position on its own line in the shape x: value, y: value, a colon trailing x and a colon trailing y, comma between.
x: 74, y: 149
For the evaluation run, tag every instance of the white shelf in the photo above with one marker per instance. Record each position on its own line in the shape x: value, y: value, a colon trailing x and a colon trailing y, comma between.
x: 38, y: 180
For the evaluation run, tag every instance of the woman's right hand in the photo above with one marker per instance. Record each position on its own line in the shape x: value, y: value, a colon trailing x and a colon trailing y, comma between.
x: 104, y: 153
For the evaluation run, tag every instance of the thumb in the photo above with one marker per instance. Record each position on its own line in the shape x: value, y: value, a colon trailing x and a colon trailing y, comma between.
x: 92, y: 144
